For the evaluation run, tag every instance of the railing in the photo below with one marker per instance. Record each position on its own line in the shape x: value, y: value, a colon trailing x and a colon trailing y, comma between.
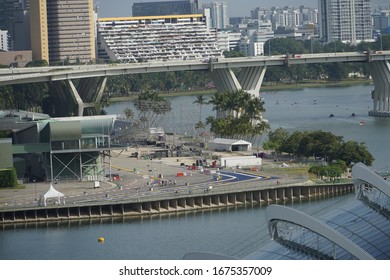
x: 122, y: 196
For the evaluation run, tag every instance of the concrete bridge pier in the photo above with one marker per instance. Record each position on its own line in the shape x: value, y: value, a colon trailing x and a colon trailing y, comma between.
x: 380, y: 72
x: 86, y: 94
x: 249, y: 79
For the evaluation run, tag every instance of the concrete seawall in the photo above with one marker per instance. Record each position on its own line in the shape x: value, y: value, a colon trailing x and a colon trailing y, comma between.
x: 207, y: 200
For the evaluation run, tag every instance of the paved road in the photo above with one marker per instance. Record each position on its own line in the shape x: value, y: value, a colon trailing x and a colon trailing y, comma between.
x: 141, y: 179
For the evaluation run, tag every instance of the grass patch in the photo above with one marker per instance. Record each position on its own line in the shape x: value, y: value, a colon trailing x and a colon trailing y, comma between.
x: 18, y: 187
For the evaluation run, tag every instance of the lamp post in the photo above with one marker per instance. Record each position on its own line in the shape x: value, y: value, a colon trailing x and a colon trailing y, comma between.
x: 269, y: 47
x: 311, y: 44
x: 35, y: 186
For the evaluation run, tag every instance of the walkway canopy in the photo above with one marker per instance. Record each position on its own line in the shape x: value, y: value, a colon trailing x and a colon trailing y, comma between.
x: 52, y: 193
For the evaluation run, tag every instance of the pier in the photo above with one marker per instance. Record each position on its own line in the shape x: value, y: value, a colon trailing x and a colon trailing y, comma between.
x: 172, y: 203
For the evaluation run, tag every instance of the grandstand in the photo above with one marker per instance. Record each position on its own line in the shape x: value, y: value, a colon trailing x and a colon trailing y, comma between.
x: 156, y: 38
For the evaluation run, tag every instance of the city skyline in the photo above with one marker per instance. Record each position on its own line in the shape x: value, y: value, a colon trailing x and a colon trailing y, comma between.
x: 235, y: 8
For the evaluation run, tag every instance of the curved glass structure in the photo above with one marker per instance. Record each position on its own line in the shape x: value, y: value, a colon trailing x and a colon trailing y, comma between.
x: 359, y: 229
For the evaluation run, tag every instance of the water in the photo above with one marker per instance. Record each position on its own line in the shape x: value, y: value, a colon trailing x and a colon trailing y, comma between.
x: 235, y: 231
x: 306, y: 109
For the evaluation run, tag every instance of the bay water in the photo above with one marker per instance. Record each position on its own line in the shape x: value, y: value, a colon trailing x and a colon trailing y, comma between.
x: 234, y: 231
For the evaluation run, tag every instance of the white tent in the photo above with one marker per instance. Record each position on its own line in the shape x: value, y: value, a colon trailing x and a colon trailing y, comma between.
x: 222, y: 144
x: 52, y: 193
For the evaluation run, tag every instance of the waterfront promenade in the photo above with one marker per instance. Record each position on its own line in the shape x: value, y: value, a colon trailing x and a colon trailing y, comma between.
x: 137, y: 193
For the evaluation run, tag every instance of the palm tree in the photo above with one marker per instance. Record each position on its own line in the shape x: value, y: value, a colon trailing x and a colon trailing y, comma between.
x: 260, y: 129
x: 128, y: 113
x: 7, y: 97
x: 200, y: 100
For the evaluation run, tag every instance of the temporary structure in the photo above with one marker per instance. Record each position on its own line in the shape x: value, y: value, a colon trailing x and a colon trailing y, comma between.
x: 231, y: 145
x: 52, y: 193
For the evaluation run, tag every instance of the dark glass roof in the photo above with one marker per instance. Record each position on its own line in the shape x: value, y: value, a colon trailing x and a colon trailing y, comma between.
x: 356, y: 220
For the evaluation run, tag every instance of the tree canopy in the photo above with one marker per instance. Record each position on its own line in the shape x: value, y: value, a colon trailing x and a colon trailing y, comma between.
x: 318, y: 144
x: 239, y: 115
x: 150, y: 106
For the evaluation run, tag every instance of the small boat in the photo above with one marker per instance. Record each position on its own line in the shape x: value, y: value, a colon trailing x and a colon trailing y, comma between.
x: 331, y: 116
x: 362, y: 123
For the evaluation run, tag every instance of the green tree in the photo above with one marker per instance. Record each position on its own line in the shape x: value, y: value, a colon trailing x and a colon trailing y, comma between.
x: 151, y: 107
x: 37, y: 63
x: 276, y: 140
x: 259, y: 130
x: 320, y: 144
x: 354, y: 152
x: 292, y: 143
x: 199, y: 125
x: 200, y: 101
x: 129, y: 113
x: 336, y: 71
x: 7, y: 97
x: 238, y: 114
x: 234, y: 53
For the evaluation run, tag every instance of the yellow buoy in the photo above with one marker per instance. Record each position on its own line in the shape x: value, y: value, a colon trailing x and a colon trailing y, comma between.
x: 101, y: 239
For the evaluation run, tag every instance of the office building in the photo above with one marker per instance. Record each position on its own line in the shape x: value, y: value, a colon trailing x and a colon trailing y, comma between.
x: 63, y: 30
x: 156, y: 38
x: 10, y: 17
x: 183, y: 7
x: 382, y: 21
x: 21, y: 27
x: 6, y: 14
x: 348, y: 21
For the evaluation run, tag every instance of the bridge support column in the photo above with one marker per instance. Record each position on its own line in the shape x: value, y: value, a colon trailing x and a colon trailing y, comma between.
x: 380, y: 71
x: 249, y: 79
x: 87, y: 93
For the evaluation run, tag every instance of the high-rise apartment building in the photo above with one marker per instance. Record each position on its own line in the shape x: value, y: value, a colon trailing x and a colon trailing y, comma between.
x: 218, y: 15
x: 62, y: 30
x: 3, y: 40
x: 182, y: 7
x: 287, y: 16
x: 346, y: 20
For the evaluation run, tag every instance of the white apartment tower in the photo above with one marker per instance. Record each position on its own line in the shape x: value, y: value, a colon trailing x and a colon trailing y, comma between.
x: 3, y: 40
x: 346, y: 20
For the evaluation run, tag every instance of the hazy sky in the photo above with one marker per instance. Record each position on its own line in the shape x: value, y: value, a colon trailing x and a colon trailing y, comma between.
x: 119, y: 8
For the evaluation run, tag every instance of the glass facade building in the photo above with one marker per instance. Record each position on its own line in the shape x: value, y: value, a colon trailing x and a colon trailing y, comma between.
x: 360, y: 229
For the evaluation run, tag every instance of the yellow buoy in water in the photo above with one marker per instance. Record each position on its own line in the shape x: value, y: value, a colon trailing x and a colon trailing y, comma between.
x: 101, y: 239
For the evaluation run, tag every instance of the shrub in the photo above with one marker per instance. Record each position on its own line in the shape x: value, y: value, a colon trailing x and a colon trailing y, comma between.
x: 8, y: 178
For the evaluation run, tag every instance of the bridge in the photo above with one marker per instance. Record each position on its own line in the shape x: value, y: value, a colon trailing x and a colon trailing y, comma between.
x: 92, y: 78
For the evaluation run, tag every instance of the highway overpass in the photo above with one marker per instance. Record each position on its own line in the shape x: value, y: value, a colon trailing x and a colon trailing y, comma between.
x: 93, y: 77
